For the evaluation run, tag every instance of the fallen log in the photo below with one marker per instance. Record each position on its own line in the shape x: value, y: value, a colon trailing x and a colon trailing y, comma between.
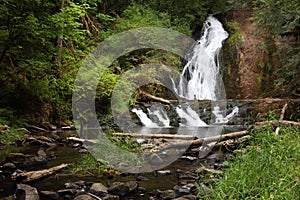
x: 258, y: 125
x: 207, y: 140
x: 33, y: 128
x: 155, y: 136
x: 35, y: 175
x: 150, y: 96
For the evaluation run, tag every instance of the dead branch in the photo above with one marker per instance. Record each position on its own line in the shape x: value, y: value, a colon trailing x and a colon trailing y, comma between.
x: 35, y: 175
x: 154, y: 136
x: 281, y: 118
x: 276, y: 123
x: 36, y: 128
x: 150, y: 96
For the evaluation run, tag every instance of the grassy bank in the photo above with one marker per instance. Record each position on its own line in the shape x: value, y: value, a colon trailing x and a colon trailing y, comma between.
x: 10, y: 135
x: 269, y: 168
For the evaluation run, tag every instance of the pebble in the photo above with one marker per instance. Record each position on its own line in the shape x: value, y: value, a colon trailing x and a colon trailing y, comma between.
x: 164, y: 172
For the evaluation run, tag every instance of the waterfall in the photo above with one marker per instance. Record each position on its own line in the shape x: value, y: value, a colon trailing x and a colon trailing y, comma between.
x: 199, y: 78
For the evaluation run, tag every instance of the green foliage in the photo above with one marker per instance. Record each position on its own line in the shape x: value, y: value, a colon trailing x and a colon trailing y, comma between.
x: 43, y: 45
x: 10, y: 135
x: 288, y: 76
x: 89, y: 165
x: 191, y: 12
x: 280, y: 18
x: 269, y: 169
x: 277, y: 16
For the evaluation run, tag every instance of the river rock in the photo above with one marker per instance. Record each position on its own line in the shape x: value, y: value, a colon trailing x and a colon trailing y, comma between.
x: 164, y: 172
x: 110, y: 197
x: 122, y: 189
x: 98, y: 189
x: 9, y: 166
x: 66, y: 192
x: 185, y: 189
x: 142, y: 178
x: 26, y: 192
x: 42, y: 154
x: 78, y: 185
x: 186, y: 175
x: 83, y: 151
x: 83, y: 197
x: 187, y: 197
x: 167, y: 194
x: 49, y: 195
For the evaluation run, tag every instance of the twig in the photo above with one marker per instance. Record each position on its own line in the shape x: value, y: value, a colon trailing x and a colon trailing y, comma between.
x: 281, y: 118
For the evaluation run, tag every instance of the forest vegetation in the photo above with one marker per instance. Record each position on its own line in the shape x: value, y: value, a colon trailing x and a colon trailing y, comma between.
x: 43, y: 44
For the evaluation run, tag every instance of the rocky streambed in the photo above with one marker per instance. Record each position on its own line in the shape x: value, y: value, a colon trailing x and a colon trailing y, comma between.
x: 44, y: 151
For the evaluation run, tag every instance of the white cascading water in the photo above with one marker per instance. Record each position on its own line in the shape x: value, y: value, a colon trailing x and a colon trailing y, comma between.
x: 156, y: 116
x: 199, y: 80
x: 191, y: 117
x: 160, y: 115
x: 145, y: 120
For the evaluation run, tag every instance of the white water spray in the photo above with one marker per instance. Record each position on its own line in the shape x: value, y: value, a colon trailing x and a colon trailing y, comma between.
x: 199, y: 78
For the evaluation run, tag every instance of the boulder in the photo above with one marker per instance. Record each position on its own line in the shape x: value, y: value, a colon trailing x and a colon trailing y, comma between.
x: 98, y: 189
x: 9, y: 166
x: 122, y: 189
x: 49, y: 195
x: 167, y: 194
x: 26, y: 192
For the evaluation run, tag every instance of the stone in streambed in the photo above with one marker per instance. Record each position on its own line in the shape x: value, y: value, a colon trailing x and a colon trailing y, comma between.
x: 42, y: 154
x: 122, y: 189
x: 98, y: 189
x: 26, y: 192
x: 83, y: 197
x: 142, y: 178
x: 9, y: 166
x: 167, y: 194
x: 49, y: 195
x: 83, y: 151
x: 110, y: 197
x: 164, y: 172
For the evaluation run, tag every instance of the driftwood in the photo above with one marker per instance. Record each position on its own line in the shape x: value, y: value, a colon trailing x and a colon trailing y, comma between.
x: 150, y: 96
x: 154, y: 136
x: 233, y: 142
x: 35, y: 175
x: 207, y: 140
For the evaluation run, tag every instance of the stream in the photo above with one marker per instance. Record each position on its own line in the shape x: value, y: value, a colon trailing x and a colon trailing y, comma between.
x: 174, y: 177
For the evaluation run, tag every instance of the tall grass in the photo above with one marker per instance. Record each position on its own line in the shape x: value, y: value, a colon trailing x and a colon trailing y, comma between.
x: 268, y: 169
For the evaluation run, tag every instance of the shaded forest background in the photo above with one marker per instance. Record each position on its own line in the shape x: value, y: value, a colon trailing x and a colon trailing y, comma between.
x: 43, y: 44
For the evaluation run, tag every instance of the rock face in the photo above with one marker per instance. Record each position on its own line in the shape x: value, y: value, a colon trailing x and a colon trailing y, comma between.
x: 26, y: 192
